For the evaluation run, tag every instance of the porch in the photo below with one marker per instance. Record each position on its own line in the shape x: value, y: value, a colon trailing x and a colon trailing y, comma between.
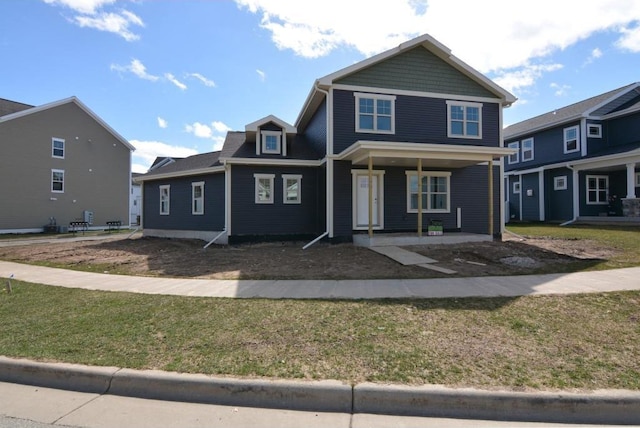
x: 609, y: 220
x: 404, y: 239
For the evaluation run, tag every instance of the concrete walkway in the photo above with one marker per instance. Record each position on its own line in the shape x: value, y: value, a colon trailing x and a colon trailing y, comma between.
x: 489, y: 286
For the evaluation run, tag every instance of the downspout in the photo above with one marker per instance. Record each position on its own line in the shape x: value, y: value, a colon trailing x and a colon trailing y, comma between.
x: 329, y: 172
x: 576, y: 190
x: 227, y: 196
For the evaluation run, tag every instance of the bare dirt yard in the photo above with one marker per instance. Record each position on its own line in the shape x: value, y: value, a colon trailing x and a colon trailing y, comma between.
x: 287, y: 260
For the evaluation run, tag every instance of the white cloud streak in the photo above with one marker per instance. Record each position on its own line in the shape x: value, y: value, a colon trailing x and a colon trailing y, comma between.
x: 135, y: 67
x: 261, y: 75
x: 162, y: 123
x: 206, y: 82
x: 215, y: 131
x: 171, y: 78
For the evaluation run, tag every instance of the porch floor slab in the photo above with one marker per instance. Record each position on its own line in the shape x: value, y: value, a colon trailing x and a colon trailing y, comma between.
x: 405, y: 239
x: 438, y: 268
x: 402, y: 256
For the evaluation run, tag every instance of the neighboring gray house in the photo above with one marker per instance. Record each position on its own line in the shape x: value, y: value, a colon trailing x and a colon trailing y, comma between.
x: 61, y: 163
x: 399, y: 142
x: 579, y: 162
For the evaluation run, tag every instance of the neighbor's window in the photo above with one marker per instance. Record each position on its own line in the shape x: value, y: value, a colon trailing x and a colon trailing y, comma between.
x: 435, y: 191
x: 197, y: 198
x: 57, y: 180
x: 514, y: 158
x: 597, y: 189
x: 264, y: 188
x: 165, y: 196
x: 527, y: 149
x: 516, y: 187
x: 464, y: 119
x: 571, y: 140
x: 560, y: 182
x: 637, y: 179
x: 271, y: 142
x: 594, y: 130
x: 291, y: 189
x: 57, y: 148
x: 375, y: 113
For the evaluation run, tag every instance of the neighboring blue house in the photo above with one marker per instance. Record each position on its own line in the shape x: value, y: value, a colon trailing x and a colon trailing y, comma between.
x: 349, y: 166
x: 577, y: 162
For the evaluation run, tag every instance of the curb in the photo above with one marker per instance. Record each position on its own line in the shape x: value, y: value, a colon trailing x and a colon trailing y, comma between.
x: 597, y: 407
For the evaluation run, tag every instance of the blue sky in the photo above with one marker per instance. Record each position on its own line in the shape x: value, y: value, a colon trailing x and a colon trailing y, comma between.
x: 173, y: 76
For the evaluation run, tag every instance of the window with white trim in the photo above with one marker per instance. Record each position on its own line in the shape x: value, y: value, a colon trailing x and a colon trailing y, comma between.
x: 514, y: 158
x: 271, y: 142
x: 436, y: 194
x: 464, y: 119
x: 516, y: 187
x: 571, y: 139
x: 264, y: 188
x: 560, y: 182
x: 197, y: 198
x: 527, y: 150
x: 597, y: 189
x: 291, y: 189
x: 165, y: 196
x: 375, y: 113
x: 57, y: 180
x: 57, y: 148
x: 594, y: 130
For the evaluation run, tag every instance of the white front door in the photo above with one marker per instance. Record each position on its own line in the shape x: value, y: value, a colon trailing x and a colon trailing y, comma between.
x: 361, y: 199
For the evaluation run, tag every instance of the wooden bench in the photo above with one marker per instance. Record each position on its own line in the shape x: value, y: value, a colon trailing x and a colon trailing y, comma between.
x: 75, y: 226
x: 114, y: 225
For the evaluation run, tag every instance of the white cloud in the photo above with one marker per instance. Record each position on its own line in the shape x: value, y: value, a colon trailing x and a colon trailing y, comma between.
x: 215, y: 131
x: 261, y: 74
x: 147, y: 151
x: 519, y: 34
x: 560, y: 90
x: 171, y: 78
x: 204, y: 80
x: 516, y: 79
x: 595, y: 54
x: 220, y: 127
x: 200, y: 130
x: 136, y: 67
x: 162, y: 123
x: 81, y: 6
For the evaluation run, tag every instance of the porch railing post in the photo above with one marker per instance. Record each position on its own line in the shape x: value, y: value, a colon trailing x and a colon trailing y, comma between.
x: 370, y: 196
x: 419, y: 197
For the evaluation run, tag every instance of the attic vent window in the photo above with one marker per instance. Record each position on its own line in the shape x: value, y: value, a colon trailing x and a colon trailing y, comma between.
x: 594, y: 130
x: 271, y: 142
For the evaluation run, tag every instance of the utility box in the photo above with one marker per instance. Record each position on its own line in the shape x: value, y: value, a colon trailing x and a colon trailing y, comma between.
x: 87, y: 216
x: 435, y: 228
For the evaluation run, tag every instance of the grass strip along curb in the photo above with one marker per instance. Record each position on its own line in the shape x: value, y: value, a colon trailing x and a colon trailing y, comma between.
x: 607, y: 406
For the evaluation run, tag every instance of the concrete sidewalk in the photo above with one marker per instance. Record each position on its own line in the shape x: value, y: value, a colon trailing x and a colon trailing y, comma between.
x: 490, y: 286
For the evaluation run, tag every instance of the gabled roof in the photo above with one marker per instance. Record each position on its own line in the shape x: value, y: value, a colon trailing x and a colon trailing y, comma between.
x: 426, y: 41
x: 9, y: 107
x: 76, y: 101
x: 570, y: 113
x: 192, y: 165
x: 237, y: 146
x: 253, y: 126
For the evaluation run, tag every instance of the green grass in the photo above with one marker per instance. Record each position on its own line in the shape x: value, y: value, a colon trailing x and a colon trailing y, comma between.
x: 624, y: 240
x: 543, y: 342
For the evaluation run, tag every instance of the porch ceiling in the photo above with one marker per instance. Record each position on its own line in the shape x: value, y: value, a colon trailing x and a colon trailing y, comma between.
x: 432, y: 155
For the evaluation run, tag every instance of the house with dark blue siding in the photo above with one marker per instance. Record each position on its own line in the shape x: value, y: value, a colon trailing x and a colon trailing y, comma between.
x: 401, y: 142
x: 579, y: 162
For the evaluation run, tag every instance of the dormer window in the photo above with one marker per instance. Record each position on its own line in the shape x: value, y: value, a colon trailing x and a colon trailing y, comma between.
x: 271, y: 142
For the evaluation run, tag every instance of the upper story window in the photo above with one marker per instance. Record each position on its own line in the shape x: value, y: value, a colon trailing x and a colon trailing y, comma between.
x: 264, y: 188
x: 435, y: 191
x: 375, y: 113
x: 271, y: 142
x: 165, y: 195
x: 571, y: 139
x: 197, y: 198
x: 291, y: 189
x: 527, y: 149
x: 57, y: 180
x: 464, y: 119
x: 57, y: 148
x: 594, y: 130
x: 514, y: 158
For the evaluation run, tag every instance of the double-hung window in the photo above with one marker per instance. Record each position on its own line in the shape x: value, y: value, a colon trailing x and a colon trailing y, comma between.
x: 597, y: 189
x: 571, y: 140
x: 514, y: 158
x: 527, y: 149
x: 57, y: 148
x: 57, y: 180
x: 291, y: 189
x: 197, y: 198
x: 435, y: 191
x: 264, y: 188
x: 375, y: 113
x: 464, y: 119
x: 165, y: 196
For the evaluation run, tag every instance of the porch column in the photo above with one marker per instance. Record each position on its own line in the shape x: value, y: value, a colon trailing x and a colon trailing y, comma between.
x: 491, y: 197
x: 631, y: 181
x: 419, y: 197
x: 370, y: 196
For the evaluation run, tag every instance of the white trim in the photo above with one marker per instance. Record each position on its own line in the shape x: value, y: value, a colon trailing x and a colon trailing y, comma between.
x: 53, y: 170
x: 193, y: 198
x: 428, y: 174
x: 597, y: 126
x: 375, y: 97
x: 517, y: 186
x: 597, y: 189
x: 257, y: 178
x: 637, y: 179
x: 541, y: 196
x: 53, y: 148
x: 564, y: 139
x: 271, y: 162
x: 420, y: 94
x: 160, y: 189
x: 254, y: 126
x: 560, y: 182
x: 298, y: 178
x: 354, y: 202
x: 199, y: 171
x: 514, y: 145
x: 465, y: 104
x: 532, y: 150
x: 263, y: 139
x: 227, y: 199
